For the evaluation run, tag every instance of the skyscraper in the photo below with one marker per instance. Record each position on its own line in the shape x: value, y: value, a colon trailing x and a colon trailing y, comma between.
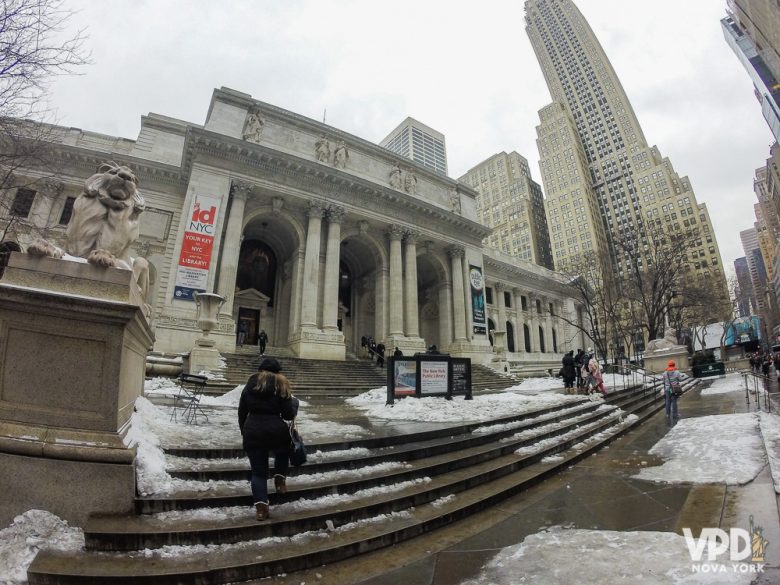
x: 602, y: 181
x: 752, y: 30
x: 745, y: 297
x: 756, y: 267
x: 420, y: 143
x: 511, y: 203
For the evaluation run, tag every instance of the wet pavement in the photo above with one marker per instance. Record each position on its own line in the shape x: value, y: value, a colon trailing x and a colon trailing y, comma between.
x: 598, y: 493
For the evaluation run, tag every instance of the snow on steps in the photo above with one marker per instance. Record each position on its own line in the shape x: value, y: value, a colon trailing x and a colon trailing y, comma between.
x: 235, y: 547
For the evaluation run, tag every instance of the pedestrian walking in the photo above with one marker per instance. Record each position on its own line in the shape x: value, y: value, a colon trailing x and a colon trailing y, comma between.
x: 398, y: 352
x: 597, y: 377
x: 243, y: 329
x: 262, y: 339
x: 578, y: 366
x: 672, y: 391
x: 266, y: 403
x: 569, y: 372
x: 380, y: 354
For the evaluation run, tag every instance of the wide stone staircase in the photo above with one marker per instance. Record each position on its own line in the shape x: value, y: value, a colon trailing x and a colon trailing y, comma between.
x: 352, y: 497
x: 325, y: 378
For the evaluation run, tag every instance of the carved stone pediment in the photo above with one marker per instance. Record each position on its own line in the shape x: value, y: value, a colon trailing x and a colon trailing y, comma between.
x: 252, y: 295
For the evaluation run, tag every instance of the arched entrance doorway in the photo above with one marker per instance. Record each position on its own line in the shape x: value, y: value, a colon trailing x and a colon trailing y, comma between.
x: 510, y: 337
x: 433, y: 301
x: 362, y: 283
x: 264, y: 298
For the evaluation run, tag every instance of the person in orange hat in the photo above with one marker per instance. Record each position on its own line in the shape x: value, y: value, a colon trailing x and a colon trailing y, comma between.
x: 672, y: 391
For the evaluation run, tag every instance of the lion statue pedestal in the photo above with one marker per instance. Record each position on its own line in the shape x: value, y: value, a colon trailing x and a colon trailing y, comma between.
x: 660, y: 351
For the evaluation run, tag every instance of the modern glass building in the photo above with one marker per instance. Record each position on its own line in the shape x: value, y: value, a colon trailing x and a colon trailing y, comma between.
x: 420, y: 143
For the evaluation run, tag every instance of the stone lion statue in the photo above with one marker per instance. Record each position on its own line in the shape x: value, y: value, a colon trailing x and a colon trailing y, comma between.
x: 668, y: 341
x: 104, y: 224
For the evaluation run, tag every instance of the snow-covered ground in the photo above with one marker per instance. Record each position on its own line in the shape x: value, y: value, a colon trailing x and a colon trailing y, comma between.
x: 434, y: 409
x: 599, y: 557
x: 533, y: 386
x: 733, y: 382
x: 30, y: 532
x: 725, y: 448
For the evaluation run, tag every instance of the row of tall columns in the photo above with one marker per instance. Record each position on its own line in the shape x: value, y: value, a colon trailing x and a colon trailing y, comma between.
x: 231, y: 245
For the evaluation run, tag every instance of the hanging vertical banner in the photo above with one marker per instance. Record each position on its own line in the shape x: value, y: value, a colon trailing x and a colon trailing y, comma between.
x: 477, y: 283
x: 192, y: 273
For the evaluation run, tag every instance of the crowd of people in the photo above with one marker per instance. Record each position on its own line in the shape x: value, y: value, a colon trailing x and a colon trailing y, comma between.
x: 584, y: 370
x: 761, y: 362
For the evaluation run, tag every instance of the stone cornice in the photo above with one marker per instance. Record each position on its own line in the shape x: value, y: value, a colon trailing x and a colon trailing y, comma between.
x: 532, y: 275
x: 309, y: 125
x: 324, y: 180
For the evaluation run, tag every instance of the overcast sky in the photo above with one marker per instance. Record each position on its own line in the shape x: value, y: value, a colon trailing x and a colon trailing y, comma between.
x: 466, y: 69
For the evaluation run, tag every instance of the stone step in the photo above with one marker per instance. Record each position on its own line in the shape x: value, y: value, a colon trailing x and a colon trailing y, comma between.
x: 320, y: 463
x: 481, y: 476
x: 455, y: 496
x: 427, y: 466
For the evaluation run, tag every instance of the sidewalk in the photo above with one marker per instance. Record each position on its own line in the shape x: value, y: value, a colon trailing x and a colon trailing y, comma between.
x: 599, y: 493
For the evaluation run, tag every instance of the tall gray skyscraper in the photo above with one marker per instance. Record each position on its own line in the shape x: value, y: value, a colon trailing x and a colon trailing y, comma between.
x: 601, y: 179
x: 752, y: 30
x: 420, y: 143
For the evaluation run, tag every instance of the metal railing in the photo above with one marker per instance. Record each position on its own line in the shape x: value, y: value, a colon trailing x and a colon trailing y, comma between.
x: 758, y: 385
x: 649, y: 380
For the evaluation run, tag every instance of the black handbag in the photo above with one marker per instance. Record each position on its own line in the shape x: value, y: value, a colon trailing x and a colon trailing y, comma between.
x: 297, y: 448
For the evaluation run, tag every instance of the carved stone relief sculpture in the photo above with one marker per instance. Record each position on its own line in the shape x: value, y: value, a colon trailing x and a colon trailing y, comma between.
x: 322, y: 149
x: 341, y: 155
x: 410, y: 183
x: 455, y: 201
x: 253, y: 128
x: 396, y: 178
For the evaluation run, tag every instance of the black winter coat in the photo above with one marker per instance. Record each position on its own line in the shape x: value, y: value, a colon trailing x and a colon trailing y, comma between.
x: 261, y: 417
x: 569, y: 372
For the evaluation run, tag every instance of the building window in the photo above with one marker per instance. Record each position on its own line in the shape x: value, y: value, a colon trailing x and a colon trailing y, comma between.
x: 23, y: 202
x: 67, y: 211
x: 489, y: 296
x: 524, y: 303
x: 508, y: 300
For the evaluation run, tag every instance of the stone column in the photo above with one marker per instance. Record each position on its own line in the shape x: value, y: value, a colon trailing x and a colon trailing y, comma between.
x: 519, y: 321
x: 50, y: 191
x: 533, y: 324
x: 395, y: 233
x: 445, y: 314
x: 411, y: 310
x: 330, y: 295
x: 501, y: 325
x: 231, y: 245
x: 548, y: 321
x: 467, y: 298
x: 311, y: 267
x: 380, y: 304
x: 296, y: 293
x: 458, y: 303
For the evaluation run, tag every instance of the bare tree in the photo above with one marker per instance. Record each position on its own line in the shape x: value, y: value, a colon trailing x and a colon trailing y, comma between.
x: 33, y: 50
x: 656, y: 277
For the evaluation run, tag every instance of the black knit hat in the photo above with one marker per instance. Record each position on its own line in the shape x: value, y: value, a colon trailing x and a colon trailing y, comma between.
x: 270, y: 364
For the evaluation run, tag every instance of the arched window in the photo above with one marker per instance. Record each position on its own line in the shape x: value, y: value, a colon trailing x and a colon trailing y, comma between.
x: 491, y: 329
x: 257, y: 268
x: 542, y: 347
x: 510, y: 337
x: 527, y: 337
x: 555, y: 341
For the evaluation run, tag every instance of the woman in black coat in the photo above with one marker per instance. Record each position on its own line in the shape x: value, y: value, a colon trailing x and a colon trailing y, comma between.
x: 265, y: 404
x: 569, y: 373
